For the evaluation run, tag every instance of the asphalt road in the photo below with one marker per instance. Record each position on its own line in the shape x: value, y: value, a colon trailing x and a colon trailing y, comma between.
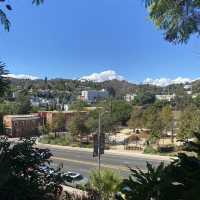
x: 83, y: 161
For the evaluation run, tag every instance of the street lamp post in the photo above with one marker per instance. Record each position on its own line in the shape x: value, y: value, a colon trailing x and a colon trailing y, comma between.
x: 99, y: 144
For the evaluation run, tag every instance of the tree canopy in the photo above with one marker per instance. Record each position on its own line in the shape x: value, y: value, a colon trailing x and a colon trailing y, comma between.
x: 4, y: 82
x: 6, y: 6
x: 178, y: 19
x: 21, y: 173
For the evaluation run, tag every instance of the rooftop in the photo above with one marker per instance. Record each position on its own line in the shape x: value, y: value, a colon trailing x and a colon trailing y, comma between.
x: 22, y: 117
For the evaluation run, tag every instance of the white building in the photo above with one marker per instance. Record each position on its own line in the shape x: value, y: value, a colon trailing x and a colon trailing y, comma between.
x: 168, y: 97
x: 188, y: 87
x: 130, y: 97
x: 92, y: 96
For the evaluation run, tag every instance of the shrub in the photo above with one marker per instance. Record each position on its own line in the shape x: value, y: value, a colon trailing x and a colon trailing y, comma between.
x: 106, y: 184
x: 21, y: 177
x: 62, y: 140
x: 150, y: 150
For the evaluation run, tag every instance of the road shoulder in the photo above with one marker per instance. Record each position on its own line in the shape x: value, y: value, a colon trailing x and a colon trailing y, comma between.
x: 111, y: 152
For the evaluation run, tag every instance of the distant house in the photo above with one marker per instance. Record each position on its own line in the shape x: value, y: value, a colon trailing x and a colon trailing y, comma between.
x: 167, y: 97
x: 43, y: 102
x: 130, y: 97
x: 92, y: 96
x: 21, y: 125
x: 188, y: 89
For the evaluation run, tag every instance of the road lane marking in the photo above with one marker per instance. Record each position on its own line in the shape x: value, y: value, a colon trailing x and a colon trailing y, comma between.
x: 118, y: 167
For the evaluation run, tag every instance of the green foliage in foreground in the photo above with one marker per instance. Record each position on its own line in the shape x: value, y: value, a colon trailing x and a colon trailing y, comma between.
x: 178, y: 19
x: 5, y: 5
x: 179, y: 180
x: 106, y: 183
x: 21, y: 177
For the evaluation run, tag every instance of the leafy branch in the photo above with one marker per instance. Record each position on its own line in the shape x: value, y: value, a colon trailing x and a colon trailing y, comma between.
x: 7, y: 7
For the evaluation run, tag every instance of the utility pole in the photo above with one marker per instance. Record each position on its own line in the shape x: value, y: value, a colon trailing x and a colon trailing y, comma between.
x: 99, y: 143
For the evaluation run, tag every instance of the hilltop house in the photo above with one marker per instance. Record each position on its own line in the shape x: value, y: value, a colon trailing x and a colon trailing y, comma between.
x: 92, y: 96
x: 167, y: 97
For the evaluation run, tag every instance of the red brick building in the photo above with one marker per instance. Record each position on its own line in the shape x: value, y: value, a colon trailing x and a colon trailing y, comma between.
x: 47, y: 117
x: 21, y: 125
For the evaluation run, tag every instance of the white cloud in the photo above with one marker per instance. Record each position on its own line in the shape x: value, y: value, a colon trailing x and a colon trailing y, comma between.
x: 166, y: 81
x: 103, y: 76
x: 22, y: 76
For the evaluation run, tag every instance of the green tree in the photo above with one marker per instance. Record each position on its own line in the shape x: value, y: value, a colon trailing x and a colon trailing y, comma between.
x: 106, y: 183
x: 21, y: 174
x: 6, y: 6
x: 178, y: 19
x: 153, y: 184
x: 137, y: 118
x: 23, y: 102
x: 120, y: 111
x: 167, y: 119
x: 107, y: 123
x: 144, y: 98
x: 4, y: 82
x: 78, y: 105
x: 58, y: 123
x: 179, y: 180
x: 45, y: 129
x: 196, y: 101
x: 189, y: 122
x: 153, y: 121
x: 181, y: 102
x: 78, y: 128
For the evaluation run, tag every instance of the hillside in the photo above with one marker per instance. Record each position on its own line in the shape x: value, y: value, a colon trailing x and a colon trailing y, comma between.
x: 74, y: 87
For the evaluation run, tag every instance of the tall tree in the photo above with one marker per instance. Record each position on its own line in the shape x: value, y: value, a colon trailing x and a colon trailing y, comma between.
x: 178, y: 19
x: 153, y: 121
x: 4, y: 81
x: 167, y: 119
x: 6, y: 6
x: 23, y: 102
x: 136, y: 120
x: 120, y: 111
x: 189, y: 122
x: 77, y: 127
x: 58, y: 123
x: 106, y: 121
x: 144, y: 98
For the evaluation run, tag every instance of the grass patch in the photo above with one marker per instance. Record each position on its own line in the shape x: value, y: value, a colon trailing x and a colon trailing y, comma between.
x: 150, y: 150
x: 62, y: 141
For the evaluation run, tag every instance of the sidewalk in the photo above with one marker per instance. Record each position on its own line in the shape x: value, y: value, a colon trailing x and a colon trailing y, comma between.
x: 111, y: 152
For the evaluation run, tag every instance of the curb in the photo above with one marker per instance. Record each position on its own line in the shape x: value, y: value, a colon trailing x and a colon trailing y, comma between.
x: 111, y: 152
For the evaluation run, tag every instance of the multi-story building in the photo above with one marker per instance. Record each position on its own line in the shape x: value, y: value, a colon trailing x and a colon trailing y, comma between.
x: 167, y: 97
x: 21, y: 125
x: 130, y: 97
x: 92, y: 96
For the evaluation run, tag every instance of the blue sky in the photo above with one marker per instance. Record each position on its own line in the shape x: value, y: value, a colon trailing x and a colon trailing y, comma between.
x: 74, y: 38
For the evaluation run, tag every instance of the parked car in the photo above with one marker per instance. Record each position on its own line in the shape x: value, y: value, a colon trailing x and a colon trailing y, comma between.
x: 46, y: 169
x: 74, y: 179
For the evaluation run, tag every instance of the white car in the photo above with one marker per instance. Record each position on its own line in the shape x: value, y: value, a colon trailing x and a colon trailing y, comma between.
x: 74, y: 179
